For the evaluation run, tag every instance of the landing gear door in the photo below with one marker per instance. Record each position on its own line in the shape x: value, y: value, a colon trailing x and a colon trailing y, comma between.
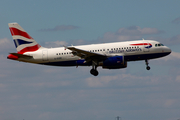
x: 45, y: 55
x: 146, y: 46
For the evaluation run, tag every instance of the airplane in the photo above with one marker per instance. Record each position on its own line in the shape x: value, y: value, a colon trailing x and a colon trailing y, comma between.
x: 107, y: 55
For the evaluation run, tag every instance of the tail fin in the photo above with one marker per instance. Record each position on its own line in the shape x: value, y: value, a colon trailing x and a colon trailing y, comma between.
x: 22, y: 40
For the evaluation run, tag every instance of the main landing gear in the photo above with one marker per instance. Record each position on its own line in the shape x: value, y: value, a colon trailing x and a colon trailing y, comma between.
x: 147, y: 67
x: 94, y: 71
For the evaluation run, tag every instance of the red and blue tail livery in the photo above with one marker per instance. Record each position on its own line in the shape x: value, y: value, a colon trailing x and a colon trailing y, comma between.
x: 22, y: 40
x: 107, y: 55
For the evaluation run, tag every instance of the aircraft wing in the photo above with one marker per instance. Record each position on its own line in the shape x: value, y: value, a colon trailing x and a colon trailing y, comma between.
x: 88, y: 56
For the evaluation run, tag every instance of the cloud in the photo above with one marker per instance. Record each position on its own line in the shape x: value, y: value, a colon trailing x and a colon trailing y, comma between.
x: 174, y: 40
x: 125, y: 80
x: 55, y: 44
x: 174, y: 57
x: 123, y: 34
x: 6, y: 44
x: 176, y: 21
x: 170, y: 64
x: 100, y: 82
x: 114, y: 37
x: 130, y: 33
x: 136, y: 30
x: 43, y: 92
x: 60, y: 28
x: 178, y: 78
x: 169, y: 102
x: 3, y: 42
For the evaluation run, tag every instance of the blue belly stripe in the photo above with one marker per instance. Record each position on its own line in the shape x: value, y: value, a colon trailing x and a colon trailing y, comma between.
x: 126, y: 58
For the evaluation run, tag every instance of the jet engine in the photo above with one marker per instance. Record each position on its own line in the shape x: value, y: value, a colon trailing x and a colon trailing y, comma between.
x: 115, y: 62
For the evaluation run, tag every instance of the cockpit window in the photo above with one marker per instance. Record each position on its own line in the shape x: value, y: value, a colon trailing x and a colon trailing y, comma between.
x: 160, y: 44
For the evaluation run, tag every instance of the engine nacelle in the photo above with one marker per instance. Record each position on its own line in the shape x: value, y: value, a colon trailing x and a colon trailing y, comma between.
x: 115, y: 62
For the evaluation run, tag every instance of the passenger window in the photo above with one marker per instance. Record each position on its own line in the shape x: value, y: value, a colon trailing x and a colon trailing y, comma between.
x: 100, y: 50
x: 129, y: 47
x: 111, y: 49
x: 124, y: 48
x: 64, y: 53
x: 107, y: 49
x: 103, y: 49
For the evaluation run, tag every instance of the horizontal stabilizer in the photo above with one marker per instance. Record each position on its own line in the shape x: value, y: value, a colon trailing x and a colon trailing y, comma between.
x: 17, y: 56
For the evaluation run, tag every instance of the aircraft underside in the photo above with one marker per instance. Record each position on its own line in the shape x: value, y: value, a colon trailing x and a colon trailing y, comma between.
x: 94, y: 71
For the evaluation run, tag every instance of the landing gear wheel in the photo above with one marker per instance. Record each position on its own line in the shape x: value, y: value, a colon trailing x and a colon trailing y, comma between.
x: 94, y: 72
x: 148, y: 68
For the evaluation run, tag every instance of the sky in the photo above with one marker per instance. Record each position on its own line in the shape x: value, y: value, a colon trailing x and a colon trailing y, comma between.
x: 37, y: 92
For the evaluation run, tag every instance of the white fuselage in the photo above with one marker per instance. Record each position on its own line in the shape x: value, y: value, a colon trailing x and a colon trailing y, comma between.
x: 131, y: 50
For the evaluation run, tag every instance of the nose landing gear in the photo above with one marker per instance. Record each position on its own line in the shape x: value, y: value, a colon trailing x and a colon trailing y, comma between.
x: 147, y: 67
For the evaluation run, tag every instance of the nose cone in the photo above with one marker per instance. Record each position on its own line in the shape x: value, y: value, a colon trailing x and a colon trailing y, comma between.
x: 167, y: 50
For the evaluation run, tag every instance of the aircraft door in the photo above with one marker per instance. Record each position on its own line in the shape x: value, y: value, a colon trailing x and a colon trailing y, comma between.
x: 45, y: 55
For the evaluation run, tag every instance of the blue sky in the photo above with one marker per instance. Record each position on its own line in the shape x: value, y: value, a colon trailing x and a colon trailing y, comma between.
x: 30, y: 91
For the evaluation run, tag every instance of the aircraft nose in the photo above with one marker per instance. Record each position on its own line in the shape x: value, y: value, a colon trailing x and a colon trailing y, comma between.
x: 168, y: 50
